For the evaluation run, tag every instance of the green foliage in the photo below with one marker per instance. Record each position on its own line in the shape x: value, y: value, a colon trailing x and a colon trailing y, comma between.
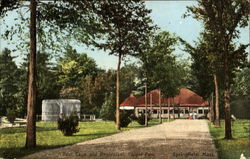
x: 8, y: 5
x: 8, y: 82
x: 141, y: 119
x: 160, y: 66
x: 68, y: 124
x: 240, y: 107
x: 48, y: 86
x: 95, y: 88
x: 108, y: 108
x: 202, y: 67
x: 129, y: 75
x: 241, y: 85
x: 11, y: 115
x: 222, y: 21
x: 126, y: 26
x: 125, y: 118
x: 73, y: 67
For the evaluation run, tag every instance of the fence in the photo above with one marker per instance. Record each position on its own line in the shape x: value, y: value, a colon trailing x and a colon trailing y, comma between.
x: 84, y: 117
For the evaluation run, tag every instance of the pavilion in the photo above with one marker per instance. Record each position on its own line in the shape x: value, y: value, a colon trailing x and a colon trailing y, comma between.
x: 182, y: 105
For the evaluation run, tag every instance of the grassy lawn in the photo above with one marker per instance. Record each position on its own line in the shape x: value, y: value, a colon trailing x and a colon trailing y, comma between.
x: 231, y: 149
x: 12, y: 140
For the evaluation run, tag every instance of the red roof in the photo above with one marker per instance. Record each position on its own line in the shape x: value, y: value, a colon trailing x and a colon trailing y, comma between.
x: 130, y: 101
x: 186, y: 97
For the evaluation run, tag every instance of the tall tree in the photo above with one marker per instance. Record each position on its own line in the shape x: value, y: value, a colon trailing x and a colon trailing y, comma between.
x: 31, y: 107
x: 127, y: 26
x: 206, y: 66
x: 223, y: 19
x: 48, y: 7
x: 160, y: 66
x: 8, y: 82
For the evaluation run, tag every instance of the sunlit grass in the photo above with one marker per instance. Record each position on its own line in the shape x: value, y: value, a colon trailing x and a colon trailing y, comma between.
x: 230, y: 149
x: 12, y: 140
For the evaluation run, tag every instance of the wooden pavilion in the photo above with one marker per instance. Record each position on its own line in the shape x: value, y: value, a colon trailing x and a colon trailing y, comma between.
x: 183, y: 105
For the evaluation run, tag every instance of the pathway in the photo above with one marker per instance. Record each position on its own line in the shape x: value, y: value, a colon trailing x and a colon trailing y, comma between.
x: 180, y: 139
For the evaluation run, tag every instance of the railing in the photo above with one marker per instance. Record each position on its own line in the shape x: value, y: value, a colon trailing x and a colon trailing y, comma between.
x: 84, y: 117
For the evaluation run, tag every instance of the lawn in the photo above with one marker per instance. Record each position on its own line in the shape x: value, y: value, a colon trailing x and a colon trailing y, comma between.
x: 231, y: 149
x: 12, y: 140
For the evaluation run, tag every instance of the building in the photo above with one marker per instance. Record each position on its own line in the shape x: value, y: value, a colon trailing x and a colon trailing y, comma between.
x: 183, y: 105
x: 52, y: 109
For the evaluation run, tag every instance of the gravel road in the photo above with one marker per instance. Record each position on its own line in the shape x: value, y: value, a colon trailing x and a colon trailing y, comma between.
x: 180, y: 139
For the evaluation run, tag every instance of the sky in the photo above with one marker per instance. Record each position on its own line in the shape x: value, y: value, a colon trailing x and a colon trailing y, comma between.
x: 168, y: 15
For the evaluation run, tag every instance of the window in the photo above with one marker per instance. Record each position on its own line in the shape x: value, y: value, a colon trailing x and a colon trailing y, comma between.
x: 165, y: 111
x: 206, y: 111
x: 200, y: 111
x: 155, y: 111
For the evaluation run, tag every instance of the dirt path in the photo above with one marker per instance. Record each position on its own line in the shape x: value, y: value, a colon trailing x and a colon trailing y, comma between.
x: 181, y: 139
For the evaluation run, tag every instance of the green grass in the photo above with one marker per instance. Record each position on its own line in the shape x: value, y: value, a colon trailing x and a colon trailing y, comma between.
x: 12, y: 140
x: 231, y: 149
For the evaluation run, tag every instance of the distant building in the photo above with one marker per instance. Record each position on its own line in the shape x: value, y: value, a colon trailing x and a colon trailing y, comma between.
x: 183, y: 105
x: 53, y: 108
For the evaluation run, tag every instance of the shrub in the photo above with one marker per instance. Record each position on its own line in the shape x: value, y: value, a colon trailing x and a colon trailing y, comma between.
x: 68, y: 124
x: 107, y: 111
x: 11, y: 115
x: 125, y: 118
x: 141, y: 119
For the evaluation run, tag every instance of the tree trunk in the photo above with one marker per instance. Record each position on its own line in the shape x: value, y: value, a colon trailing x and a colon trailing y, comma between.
x: 118, y: 127
x: 151, y: 104
x: 31, y: 111
x: 146, y: 104
x: 178, y: 107
x: 217, y: 107
x: 168, y: 110
x: 160, y: 119
x: 228, y: 131
x: 173, y: 112
x: 211, y: 117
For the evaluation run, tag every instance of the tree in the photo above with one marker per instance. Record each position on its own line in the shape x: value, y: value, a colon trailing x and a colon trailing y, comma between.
x: 96, y: 88
x: 8, y: 5
x: 206, y: 66
x: 129, y: 75
x: 241, y: 94
x: 126, y: 27
x: 31, y: 123
x: 241, y: 84
x: 32, y: 92
x: 107, y: 111
x: 99, y: 87
x: 8, y: 82
x: 160, y: 67
x: 223, y: 20
x: 73, y: 67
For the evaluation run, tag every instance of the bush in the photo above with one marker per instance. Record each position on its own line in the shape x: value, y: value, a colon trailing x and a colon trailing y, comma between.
x: 107, y: 111
x: 68, y: 124
x: 141, y: 119
x: 11, y: 115
x: 125, y: 119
